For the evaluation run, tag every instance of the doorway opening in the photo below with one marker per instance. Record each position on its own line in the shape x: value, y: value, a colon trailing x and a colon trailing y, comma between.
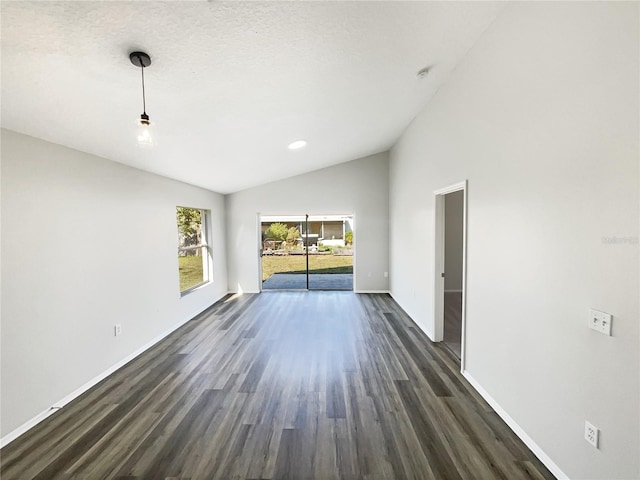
x: 306, y: 252
x: 450, y: 262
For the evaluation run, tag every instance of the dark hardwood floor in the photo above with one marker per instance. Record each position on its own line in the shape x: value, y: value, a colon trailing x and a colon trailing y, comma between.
x: 453, y: 322
x: 282, y: 385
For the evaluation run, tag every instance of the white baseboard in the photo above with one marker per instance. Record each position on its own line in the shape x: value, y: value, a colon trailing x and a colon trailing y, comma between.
x: 371, y: 291
x: 519, y: 431
x: 413, y: 317
x: 11, y: 436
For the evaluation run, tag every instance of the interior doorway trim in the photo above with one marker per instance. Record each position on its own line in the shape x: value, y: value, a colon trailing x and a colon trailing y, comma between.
x: 260, y: 246
x: 438, y: 281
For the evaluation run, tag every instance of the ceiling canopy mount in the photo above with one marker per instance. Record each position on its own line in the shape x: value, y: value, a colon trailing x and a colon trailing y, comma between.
x: 140, y: 59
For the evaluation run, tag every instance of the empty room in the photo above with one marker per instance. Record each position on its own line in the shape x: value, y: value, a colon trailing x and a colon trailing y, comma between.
x: 320, y: 240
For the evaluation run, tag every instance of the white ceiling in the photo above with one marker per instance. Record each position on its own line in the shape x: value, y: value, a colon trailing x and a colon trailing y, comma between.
x: 231, y: 83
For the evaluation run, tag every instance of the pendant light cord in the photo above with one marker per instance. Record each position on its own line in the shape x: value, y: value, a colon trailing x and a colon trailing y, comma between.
x: 144, y: 103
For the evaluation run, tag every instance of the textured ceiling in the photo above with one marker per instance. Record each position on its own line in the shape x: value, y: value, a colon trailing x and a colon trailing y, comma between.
x: 231, y: 84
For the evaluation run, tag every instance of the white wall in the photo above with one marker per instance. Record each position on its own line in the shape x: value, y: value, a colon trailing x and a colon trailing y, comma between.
x: 360, y: 187
x: 87, y: 243
x: 542, y: 118
x: 453, y: 240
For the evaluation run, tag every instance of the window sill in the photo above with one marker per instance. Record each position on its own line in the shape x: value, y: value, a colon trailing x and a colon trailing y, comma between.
x: 195, y: 288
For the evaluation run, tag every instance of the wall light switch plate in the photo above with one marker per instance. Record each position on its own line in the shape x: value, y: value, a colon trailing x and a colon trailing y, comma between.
x: 600, y: 321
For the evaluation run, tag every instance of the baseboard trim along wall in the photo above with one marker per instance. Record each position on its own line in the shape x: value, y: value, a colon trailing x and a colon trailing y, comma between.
x: 519, y: 431
x: 511, y: 423
x: 64, y: 401
x: 11, y: 436
x: 422, y: 328
x: 371, y: 291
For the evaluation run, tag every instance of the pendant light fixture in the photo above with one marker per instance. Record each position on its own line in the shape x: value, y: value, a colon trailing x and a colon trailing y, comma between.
x: 145, y: 139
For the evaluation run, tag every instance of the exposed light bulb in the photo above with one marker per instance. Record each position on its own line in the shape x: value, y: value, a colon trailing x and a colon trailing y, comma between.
x: 145, y: 139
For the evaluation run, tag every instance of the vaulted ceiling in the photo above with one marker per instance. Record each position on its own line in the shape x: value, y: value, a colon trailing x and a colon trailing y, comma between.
x: 231, y: 83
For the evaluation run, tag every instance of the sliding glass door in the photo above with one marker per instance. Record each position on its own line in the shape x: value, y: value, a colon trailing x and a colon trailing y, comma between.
x: 306, y: 252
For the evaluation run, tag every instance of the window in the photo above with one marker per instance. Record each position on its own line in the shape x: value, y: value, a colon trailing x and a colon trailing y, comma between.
x: 194, y: 255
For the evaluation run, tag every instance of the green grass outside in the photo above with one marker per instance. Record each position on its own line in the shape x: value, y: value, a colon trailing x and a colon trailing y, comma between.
x: 190, y: 272
x: 297, y: 264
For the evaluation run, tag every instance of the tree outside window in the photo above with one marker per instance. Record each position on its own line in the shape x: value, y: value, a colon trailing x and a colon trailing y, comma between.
x: 194, y: 257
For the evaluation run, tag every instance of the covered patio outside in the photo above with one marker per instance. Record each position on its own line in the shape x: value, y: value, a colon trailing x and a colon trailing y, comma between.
x: 286, y: 240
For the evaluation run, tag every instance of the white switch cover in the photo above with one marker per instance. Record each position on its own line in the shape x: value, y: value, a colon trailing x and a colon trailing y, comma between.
x: 600, y: 321
x: 117, y: 329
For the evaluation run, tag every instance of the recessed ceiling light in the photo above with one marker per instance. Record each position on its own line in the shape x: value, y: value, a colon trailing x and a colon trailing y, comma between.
x: 297, y: 144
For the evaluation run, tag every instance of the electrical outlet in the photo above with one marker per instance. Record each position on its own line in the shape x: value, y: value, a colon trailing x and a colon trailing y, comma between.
x: 591, y: 434
x: 600, y: 321
x: 117, y: 329
x: 386, y: 274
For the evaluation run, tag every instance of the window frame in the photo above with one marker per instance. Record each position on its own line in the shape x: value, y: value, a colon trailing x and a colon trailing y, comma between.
x: 204, y: 246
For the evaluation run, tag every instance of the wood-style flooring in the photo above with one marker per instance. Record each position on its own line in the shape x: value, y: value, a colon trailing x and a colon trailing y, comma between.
x: 281, y: 385
x: 453, y: 322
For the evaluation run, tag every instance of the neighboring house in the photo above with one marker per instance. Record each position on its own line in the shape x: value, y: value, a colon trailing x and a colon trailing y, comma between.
x: 328, y: 229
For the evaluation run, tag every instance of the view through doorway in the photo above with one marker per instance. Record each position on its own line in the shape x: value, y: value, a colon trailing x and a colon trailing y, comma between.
x: 306, y: 252
x: 453, y: 240
x: 450, y: 268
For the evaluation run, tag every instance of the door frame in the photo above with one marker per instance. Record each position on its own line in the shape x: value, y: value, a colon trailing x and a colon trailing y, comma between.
x: 260, y: 247
x: 438, y: 281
